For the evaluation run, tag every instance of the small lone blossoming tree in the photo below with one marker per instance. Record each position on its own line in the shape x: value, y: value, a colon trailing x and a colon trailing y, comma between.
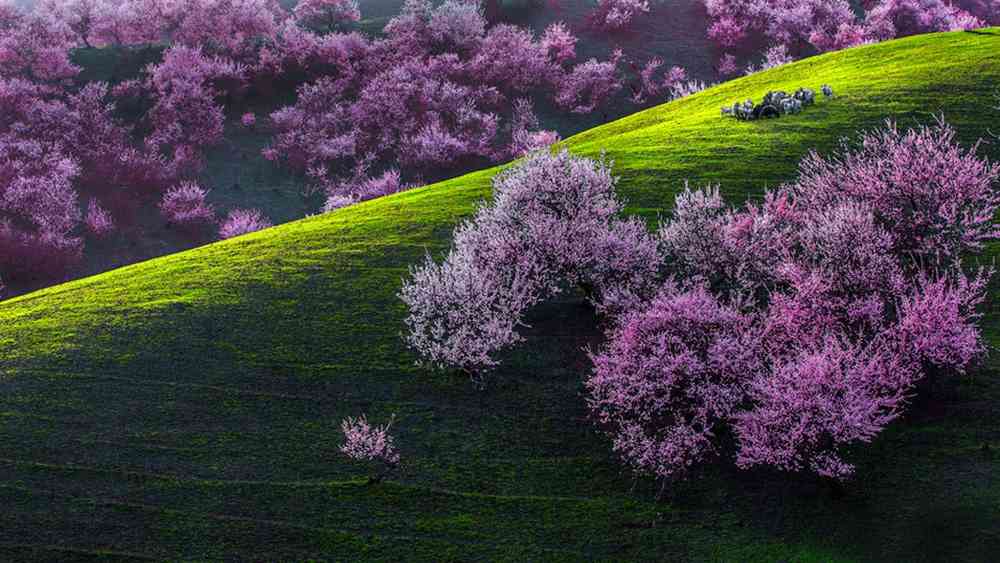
x: 368, y: 443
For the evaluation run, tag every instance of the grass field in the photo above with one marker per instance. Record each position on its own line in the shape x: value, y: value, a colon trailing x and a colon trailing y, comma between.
x: 187, y: 407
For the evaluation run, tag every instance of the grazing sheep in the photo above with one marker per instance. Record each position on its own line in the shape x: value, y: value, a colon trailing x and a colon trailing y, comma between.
x: 775, y: 103
x: 805, y: 95
x: 775, y: 97
x: 790, y: 106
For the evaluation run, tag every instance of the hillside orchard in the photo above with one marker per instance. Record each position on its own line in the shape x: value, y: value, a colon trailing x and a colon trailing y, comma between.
x: 441, y: 90
x: 775, y: 334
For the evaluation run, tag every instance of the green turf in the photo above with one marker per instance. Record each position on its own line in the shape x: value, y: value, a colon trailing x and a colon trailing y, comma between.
x: 188, y: 407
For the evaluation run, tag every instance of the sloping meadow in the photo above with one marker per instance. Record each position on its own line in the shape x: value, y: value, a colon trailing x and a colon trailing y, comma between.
x: 189, y: 406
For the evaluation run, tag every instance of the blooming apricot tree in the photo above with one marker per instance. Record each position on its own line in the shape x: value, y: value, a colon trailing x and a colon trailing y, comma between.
x: 554, y: 221
x: 369, y: 443
x: 326, y: 14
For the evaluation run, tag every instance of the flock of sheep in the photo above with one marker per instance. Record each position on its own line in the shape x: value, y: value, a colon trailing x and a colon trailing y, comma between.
x: 775, y: 104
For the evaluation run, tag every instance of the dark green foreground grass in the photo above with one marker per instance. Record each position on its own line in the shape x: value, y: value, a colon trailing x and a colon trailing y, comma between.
x: 188, y: 407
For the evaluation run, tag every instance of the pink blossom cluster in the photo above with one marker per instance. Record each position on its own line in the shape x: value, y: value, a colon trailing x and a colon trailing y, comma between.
x: 363, y: 188
x: 183, y: 90
x: 526, y: 137
x: 847, y: 287
x: 937, y: 199
x: 775, y: 334
x: 89, y: 154
x: 439, y: 91
x: 99, y: 223
x: 673, y: 81
x: 229, y: 27
x: 615, y: 15
x: 326, y: 14
x: 589, y: 85
x: 367, y: 442
x: 832, y: 24
x: 559, y: 43
x: 38, y: 208
x: 433, y: 94
x: 34, y: 47
x: 54, y: 144
x: 78, y: 146
x: 554, y: 221
x: 896, y: 18
x: 242, y: 221
x: 727, y: 65
x: 774, y: 57
x: 669, y: 381
x: 184, y: 205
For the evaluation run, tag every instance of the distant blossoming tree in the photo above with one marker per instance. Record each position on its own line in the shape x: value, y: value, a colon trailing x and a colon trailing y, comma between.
x: 774, y: 57
x: 326, y: 14
x: 727, y: 65
x: 559, y: 42
x: 614, y: 15
x: 184, y: 205
x: 98, y: 221
x: 242, y: 221
x: 589, y: 85
x: 832, y: 24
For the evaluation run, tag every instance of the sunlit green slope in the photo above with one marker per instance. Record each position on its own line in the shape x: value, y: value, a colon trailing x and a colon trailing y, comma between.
x: 188, y: 407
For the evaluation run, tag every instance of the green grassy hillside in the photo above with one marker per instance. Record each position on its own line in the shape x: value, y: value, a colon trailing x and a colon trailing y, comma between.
x: 188, y: 407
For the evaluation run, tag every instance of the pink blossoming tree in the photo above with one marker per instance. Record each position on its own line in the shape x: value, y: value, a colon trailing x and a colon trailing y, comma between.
x: 616, y: 15
x: 242, y: 221
x: 553, y: 221
x: 370, y: 443
x: 854, y: 292
x: 326, y: 14
x: 184, y: 206
x: 98, y: 221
